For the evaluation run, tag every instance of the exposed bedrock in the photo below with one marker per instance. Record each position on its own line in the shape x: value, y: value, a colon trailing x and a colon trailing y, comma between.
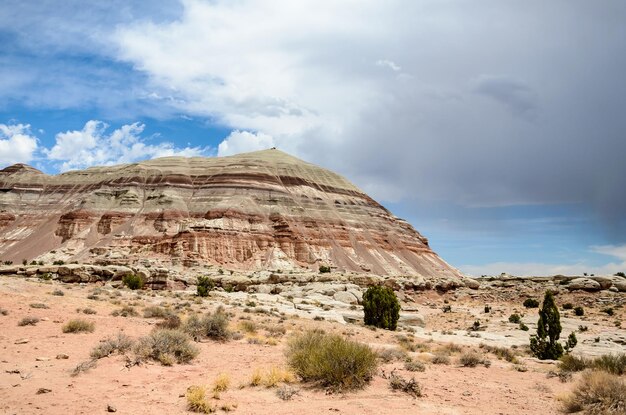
x: 264, y: 210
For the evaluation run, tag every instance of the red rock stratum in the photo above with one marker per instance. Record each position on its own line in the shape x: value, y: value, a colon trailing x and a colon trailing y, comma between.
x: 259, y: 210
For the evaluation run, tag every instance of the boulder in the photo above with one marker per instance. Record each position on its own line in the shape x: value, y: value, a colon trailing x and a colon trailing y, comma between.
x: 345, y: 297
x: 471, y: 283
x: 586, y: 284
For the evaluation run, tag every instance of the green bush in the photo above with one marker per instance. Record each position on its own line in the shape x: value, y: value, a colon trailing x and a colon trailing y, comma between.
x: 611, y: 363
x: 609, y: 311
x: 204, y: 285
x: 78, y: 326
x: 381, y: 307
x: 544, y: 345
x: 571, y: 342
x: 58, y: 262
x: 531, y: 303
x: 166, y: 346
x: 568, y: 306
x: 571, y: 363
x: 515, y: 318
x: 324, y: 269
x: 579, y: 311
x: 331, y: 360
x: 617, y: 274
x: 132, y: 281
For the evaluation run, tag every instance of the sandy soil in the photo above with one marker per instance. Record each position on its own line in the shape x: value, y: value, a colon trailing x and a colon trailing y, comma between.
x: 27, y: 367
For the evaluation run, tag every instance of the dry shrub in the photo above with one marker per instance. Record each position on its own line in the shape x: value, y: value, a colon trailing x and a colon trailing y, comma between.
x: 276, y: 330
x: 597, y: 393
x: 156, y: 312
x: 213, y: 326
x: 79, y: 326
x: 286, y: 393
x: 391, y: 355
x: 111, y: 345
x: 397, y: 382
x: 502, y: 353
x: 83, y: 367
x: 441, y: 359
x: 39, y: 305
x: 248, y: 327
x: 126, y: 311
x: 414, y: 366
x: 197, y: 400
x: 170, y: 322
x: 449, y: 349
x: 28, y: 321
x: 473, y: 359
x: 166, y: 346
x: 331, y: 360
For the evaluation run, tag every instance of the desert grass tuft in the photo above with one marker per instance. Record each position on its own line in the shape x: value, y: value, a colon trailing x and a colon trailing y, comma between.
x: 79, y: 326
x: 331, y: 360
x: 221, y: 383
x: 197, y: 400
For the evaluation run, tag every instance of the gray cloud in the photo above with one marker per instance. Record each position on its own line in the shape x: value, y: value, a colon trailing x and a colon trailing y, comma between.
x: 514, y: 94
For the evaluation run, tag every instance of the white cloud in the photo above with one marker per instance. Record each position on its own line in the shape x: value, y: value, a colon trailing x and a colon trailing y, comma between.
x: 308, y: 73
x: 92, y: 146
x: 389, y: 64
x: 244, y: 141
x: 617, y: 251
x: 539, y: 269
x: 17, y: 144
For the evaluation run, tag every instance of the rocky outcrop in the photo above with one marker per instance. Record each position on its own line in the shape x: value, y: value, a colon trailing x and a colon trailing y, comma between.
x: 253, y: 211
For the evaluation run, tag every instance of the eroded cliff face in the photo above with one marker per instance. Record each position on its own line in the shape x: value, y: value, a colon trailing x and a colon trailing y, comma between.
x: 260, y: 210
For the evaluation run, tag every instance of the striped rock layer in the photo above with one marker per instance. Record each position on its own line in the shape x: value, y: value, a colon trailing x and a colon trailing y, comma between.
x: 253, y: 211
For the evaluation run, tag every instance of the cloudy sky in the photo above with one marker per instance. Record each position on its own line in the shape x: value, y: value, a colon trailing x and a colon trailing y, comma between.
x: 498, y: 129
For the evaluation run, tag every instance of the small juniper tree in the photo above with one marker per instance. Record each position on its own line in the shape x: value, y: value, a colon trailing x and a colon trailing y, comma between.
x: 205, y: 284
x: 381, y: 307
x: 544, y: 344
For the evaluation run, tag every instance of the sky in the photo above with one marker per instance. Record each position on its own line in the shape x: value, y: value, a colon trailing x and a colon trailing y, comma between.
x: 497, y: 129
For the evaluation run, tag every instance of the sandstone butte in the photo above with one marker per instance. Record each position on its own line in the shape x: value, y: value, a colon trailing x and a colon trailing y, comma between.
x: 263, y: 210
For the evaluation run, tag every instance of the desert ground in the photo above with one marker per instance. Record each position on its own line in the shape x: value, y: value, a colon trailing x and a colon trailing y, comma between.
x: 38, y: 361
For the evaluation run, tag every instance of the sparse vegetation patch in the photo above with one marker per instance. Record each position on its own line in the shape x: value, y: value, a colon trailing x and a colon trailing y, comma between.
x: 331, y: 360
